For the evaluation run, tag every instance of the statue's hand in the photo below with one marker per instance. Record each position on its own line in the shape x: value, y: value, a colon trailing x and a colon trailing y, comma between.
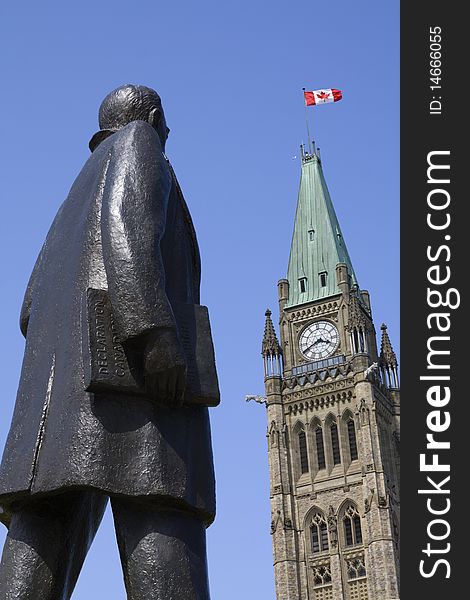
x: 164, y: 368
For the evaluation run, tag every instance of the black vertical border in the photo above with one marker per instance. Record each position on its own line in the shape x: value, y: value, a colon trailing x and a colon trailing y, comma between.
x: 421, y: 133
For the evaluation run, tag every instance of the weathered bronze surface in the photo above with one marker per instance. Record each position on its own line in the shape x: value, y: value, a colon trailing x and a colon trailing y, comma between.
x: 124, y: 234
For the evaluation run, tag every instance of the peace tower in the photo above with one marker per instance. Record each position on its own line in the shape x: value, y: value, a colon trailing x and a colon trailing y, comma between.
x: 333, y: 408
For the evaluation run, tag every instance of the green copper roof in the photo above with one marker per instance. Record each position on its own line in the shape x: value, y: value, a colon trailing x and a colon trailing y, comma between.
x: 317, y: 243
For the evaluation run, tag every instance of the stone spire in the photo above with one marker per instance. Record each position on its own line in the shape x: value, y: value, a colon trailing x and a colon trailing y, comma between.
x: 270, y: 345
x: 317, y: 242
x: 387, y: 355
x: 270, y: 349
x: 388, y: 361
x: 357, y: 317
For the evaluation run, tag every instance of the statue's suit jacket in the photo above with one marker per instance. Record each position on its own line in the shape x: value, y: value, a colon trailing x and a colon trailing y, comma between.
x: 124, y: 227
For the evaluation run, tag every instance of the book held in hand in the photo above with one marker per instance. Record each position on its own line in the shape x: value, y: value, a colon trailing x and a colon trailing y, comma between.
x: 109, y: 368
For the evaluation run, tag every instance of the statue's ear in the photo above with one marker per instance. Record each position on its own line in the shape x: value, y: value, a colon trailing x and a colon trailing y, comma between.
x: 154, y: 117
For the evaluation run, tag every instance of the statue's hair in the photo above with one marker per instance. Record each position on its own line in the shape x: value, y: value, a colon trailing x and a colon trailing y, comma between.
x: 129, y: 103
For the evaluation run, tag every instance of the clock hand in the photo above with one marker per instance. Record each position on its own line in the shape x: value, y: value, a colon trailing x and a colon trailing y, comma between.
x: 317, y: 342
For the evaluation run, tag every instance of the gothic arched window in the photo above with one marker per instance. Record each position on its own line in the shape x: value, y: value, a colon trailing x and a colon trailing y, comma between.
x: 335, y: 444
x: 320, y: 448
x: 352, y: 526
x: 319, y: 534
x: 354, y: 562
x: 352, y: 439
x: 303, y: 452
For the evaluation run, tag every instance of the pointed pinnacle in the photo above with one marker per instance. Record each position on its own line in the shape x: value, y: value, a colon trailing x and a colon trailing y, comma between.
x: 356, y: 314
x: 270, y: 345
x: 387, y: 355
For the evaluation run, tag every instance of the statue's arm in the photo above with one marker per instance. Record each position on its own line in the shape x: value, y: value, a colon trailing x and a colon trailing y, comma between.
x: 133, y: 217
x: 28, y: 297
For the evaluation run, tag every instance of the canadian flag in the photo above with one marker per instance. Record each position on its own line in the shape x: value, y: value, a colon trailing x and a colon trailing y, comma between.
x: 322, y: 96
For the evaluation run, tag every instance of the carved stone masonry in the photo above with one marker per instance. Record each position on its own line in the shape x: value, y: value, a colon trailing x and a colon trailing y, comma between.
x: 332, y: 526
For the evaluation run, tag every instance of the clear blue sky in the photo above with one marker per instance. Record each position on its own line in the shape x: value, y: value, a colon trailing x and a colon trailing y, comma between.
x: 230, y: 76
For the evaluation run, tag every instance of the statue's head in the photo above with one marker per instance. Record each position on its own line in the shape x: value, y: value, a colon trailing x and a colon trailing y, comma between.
x: 133, y: 103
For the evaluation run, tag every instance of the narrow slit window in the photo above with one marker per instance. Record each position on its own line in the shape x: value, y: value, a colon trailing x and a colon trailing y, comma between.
x: 315, y: 539
x: 357, y: 530
x: 348, y: 532
x: 320, y: 448
x: 303, y: 452
x: 303, y: 284
x: 323, y: 537
x: 335, y: 444
x: 311, y: 234
x: 361, y: 340
x: 352, y: 439
x: 323, y: 275
x: 356, y: 340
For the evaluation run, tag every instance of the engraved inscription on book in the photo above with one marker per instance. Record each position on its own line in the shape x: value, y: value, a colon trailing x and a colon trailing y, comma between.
x: 118, y: 358
x: 106, y: 364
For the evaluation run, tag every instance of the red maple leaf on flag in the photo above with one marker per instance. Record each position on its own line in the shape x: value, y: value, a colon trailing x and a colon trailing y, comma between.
x: 323, y: 95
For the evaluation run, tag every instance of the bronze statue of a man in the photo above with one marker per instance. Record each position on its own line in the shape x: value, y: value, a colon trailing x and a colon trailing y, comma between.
x: 121, y: 254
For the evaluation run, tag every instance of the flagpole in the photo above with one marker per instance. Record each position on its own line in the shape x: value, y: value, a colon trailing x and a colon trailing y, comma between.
x: 306, y: 122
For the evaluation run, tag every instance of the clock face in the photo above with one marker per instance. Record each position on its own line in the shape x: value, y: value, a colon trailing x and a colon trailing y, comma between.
x: 318, y: 340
